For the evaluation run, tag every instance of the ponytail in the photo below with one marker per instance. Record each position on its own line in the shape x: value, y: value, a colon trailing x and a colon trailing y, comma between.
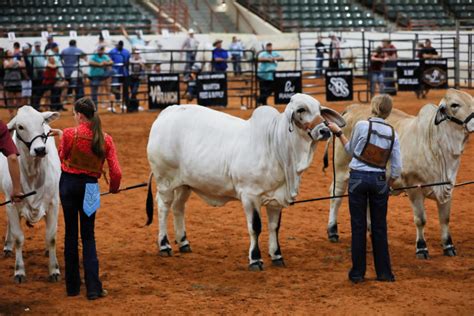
x: 98, y: 142
x: 87, y: 107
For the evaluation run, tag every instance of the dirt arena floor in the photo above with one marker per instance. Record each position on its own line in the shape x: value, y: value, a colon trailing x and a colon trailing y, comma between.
x: 213, y: 279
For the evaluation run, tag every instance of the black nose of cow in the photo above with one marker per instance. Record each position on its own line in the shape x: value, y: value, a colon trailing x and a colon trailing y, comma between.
x: 40, y: 151
x: 325, y: 132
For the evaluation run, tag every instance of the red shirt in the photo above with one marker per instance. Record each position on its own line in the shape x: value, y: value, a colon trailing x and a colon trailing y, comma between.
x: 84, y: 145
x: 7, y: 146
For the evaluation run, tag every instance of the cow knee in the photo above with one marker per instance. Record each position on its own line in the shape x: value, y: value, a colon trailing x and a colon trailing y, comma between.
x: 420, y: 220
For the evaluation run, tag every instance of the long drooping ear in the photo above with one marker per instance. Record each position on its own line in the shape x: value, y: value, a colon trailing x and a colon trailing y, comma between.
x: 12, y: 124
x: 441, y: 113
x: 50, y: 116
x: 332, y: 116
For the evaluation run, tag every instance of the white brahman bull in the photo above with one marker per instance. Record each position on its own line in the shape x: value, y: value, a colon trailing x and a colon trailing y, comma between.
x: 40, y: 170
x: 431, y: 145
x: 224, y: 158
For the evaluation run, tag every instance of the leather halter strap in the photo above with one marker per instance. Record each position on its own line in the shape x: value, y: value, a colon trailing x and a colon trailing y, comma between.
x: 43, y: 136
x: 310, y: 125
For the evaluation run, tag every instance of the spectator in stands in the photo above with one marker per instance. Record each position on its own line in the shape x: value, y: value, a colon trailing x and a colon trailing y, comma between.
x: 100, y: 70
x: 377, y: 61
x: 267, y: 65
x: 61, y: 82
x: 38, y: 61
x: 27, y: 72
x: 190, y: 45
x: 121, y: 57
x: 137, y: 68
x: 16, y: 49
x: 191, y: 89
x: 236, y: 50
x: 219, y: 57
x: 390, y: 51
x: 427, y: 52
x: 320, y: 51
x: 135, y: 41
x: 70, y: 57
x: 419, y: 50
x: 12, y: 82
x: 51, y: 81
x: 50, y: 43
x: 79, y: 74
x: 334, y: 52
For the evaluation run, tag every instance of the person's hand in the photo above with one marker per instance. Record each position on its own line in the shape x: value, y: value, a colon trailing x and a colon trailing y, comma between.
x: 334, y: 127
x: 56, y: 132
x: 16, y: 194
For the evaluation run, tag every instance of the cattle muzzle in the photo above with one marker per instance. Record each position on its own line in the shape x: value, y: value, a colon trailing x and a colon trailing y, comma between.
x: 322, y: 131
x: 40, y: 151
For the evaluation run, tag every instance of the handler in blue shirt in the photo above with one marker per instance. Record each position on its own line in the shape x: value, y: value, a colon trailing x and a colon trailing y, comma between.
x: 219, y: 57
x: 372, y: 145
x: 267, y: 65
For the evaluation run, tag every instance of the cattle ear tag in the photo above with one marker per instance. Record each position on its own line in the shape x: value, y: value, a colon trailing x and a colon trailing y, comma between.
x: 332, y: 116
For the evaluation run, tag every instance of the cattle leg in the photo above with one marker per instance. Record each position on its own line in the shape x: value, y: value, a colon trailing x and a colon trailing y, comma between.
x: 181, y: 195
x: 18, y: 240
x: 417, y: 202
x: 254, y: 225
x: 164, y: 200
x: 444, y: 211
x: 51, y: 219
x: 274, y: 221
x: 341, y: 186
x: 8, y: 247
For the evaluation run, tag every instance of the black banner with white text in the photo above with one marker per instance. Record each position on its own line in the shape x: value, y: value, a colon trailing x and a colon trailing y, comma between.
x: 163, y: 90
x: 212, y: 89
x: 339, y: 85
x: 286, y: 84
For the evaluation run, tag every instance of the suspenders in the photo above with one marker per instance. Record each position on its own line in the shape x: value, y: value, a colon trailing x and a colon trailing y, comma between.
x: 373, y: 155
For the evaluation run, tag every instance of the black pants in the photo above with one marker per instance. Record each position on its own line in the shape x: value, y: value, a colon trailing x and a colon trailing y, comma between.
x: 36, y: 93
x: 71, y: 190
x: 266, y: 89
x: 372, y: 188
x: 55, y: 97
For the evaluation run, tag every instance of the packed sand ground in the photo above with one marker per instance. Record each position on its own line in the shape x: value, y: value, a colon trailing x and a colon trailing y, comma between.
x: 213, y: 279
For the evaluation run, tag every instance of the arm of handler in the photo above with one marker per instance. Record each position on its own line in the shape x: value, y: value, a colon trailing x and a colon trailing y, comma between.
x: 114, y: 166
x: 395, y: 161
x: 14, y: 169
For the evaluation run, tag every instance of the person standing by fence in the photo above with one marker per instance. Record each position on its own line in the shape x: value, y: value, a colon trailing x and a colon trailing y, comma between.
x: 190, y: 46
x: 373, y: 143
x: 100, y: 70
x: 334, y: 52
x: 390, y: 66
x: 236, y: 50
x: 12, y: 81
x: 320, y: 51
x: 39, y: 61
x: 70, y: 58
x: 82, y: 151
x: 377, y: 61
x: 219, y: 57
x: 267, y: 65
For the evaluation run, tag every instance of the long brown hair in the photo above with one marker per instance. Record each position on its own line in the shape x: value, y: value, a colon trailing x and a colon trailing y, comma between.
x: 87, y: 108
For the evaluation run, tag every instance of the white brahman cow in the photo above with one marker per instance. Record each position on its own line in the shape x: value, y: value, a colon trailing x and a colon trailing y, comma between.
x: 431, y: 144
x: 40, y: 170
x: 224, y: 158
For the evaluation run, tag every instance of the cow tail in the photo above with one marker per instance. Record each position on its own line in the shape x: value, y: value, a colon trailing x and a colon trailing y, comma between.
x: 149, y: 202
x: 326, y: 156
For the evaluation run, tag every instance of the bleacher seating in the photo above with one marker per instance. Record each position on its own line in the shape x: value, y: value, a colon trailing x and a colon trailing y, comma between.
x: 297, y: 15
x: 32, y: 16
x: 414, y: 13
x: 462, y: 9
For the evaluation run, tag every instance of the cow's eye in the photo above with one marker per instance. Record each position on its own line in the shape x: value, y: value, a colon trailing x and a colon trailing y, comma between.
x: 455, y: 105
x: 301, y: 110
x: 20, y: 127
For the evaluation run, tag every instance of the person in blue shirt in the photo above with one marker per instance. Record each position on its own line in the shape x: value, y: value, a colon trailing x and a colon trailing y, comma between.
x: 373, y: 143
x: 267, y: 64
x: 136, y: 41
x: 219, y: 57
x: 70, y: 58
x: 121, y: 58
x: 100, y: 69
x: 236, y: 50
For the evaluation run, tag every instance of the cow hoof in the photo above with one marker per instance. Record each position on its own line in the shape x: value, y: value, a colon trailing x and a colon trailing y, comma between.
x: 185, y: 249
x: 46, y: 253
x: 55, y: 277
x: 334, y: 238
x: 19, y: 278
x: 7, y: 253
x: 450, y: 251
x: 278, y: 263
x: 166, y: 252
x: 422, y: 254
x: 256, y: 266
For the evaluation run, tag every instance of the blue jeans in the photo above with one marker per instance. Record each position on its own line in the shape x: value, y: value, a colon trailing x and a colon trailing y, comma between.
x: 71, y: 192
x: 236, y: 65
x: 369, y: 188
x: 319, y: 66
x: 376, y: 77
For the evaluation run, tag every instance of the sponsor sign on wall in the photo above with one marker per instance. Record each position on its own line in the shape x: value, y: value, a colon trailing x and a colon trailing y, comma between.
x: 286, y: 84
x: 434, y: 73
x: 339, y: 85
x: 212, y: 89
x: 163, y: 90
x: 408, y: 75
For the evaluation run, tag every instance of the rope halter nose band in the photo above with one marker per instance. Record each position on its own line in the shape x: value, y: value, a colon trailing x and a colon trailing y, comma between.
x: 43, y: 136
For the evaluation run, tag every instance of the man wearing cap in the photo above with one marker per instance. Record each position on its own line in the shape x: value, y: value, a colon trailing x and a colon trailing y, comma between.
x: 219, y: 57
x: 100, y: 69
x: 38, y: 61
x: 190, y: 45
x: 70, y: 57
x: 121, y: 58
x: 267, y: 65
x: 50, y: 43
